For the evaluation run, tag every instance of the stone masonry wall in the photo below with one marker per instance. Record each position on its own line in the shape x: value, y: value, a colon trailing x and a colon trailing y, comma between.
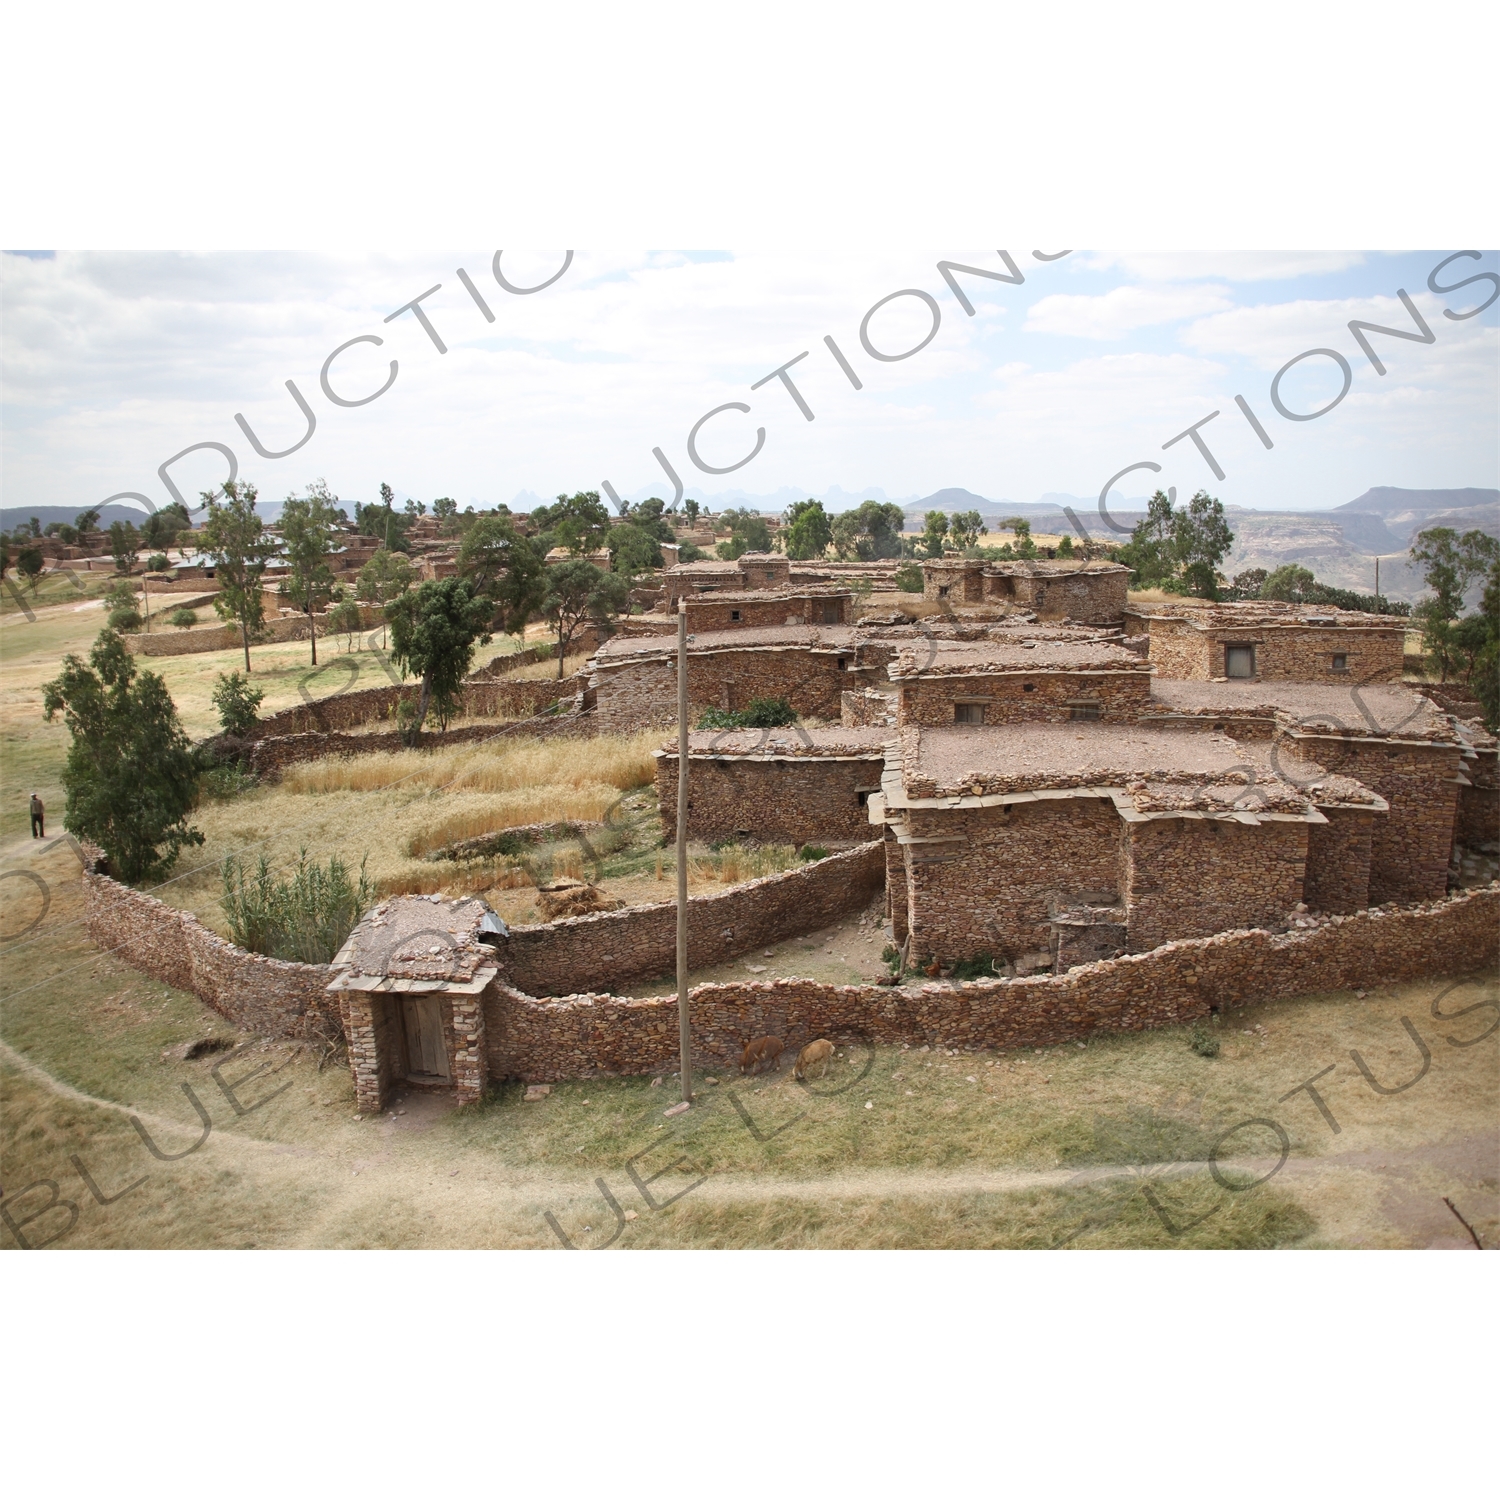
x: 634, y: 695
x: 1191, y: 877
x: 1039, y: 698
x: 988, y: 891
x: 1283, y: 653
x: 265, y: 995
x: 1089, y: 598
x: 584, y: 1036
x: 616, y: 948
x: 1338, y: 860
x: 1410, y: 846
x: 796, y: 800
x: 1178, y: 652
x: 709, y: 612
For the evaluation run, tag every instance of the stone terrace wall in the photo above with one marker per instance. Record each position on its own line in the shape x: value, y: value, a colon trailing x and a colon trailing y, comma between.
x: 640, y: 942
x: 1124, y: 697
x: 634, y: 695
x: 264, y: 995
x: 1090, y: 598
x: 1304, y: 653
x: 219, y: 638
x: 1478, y: 820
x: 482, y: 698
x: 796, y: 800
x: 707, y: 612
x: 1179, y: 652
x: 588, y: 1035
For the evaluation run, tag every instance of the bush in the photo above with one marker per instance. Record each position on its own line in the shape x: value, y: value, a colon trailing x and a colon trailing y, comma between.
x: 762, y: 713
x: 223, y: 783
x: 909, y: 578
x: 1203, y: 1041
x: 238, y: 703
x: 809, y: 852
x: 183, y: 619
x: 157, y: 563
x: 305, y: 919
x: 981, y: 966
x: 126, y: 617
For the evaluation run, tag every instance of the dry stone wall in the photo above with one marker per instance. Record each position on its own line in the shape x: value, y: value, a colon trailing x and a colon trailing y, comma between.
x: 618, y: 948
x: 795, y: 800
x: 265, y: 995
x: 1035, y: 698
x: 582, y: 1036
x: 1338, y: 860
x: 1283, y: 653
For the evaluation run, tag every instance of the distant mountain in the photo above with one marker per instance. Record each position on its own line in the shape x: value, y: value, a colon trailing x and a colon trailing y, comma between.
x: 1403, y: 513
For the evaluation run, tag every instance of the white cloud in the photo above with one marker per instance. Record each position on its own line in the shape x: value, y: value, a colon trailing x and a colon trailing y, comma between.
x: 1230, y: 265
x: 1119, y: 312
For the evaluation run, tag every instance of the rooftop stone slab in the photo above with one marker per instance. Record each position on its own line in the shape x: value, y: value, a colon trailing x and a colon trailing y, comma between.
x: 1383, y: 710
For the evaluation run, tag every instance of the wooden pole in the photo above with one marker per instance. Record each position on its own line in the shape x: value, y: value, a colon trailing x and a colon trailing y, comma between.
x: 1377, y: 579
x: 684, y: 1029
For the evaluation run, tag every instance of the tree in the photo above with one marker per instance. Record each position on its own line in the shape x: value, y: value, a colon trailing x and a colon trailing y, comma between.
x: 385, y: 578
x: 578, y: 522
x: 238, y: 548
x: 507, y: 568
x: 124, y: 544
x: 650, y: 516
x: 577, y: 592
x: 383, y: 521
x: 344, y: 619
x: 690, y: 509
x: 86, y: 522
x: 183, y: 619
x: 1065, y: 546
x: 869, y: 531
x: 807, y: 531
x: 748, y: 532
x: 162, y: 526
x: 29, y: 565
x: 446, y: 510
x: 1485, y: 678
x: 415, y: 508
x: 119, y: 601
x: 434, y: 630
x: 935, y: 532
x: 1200, y: 539
x: 130, y: 777
x: 1023, y: 546
x: 1451, y: 563
x: 307, y: 531
x: 965, y: 528
x: 909, y: 578
x: 1290, y: 583
x: 1247, y: 585
x: 66, y: 534
x: 237, y: 702
x: 633, y: 551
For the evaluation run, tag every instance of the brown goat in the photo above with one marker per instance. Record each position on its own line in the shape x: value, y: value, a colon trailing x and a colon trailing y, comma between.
x: 762, y: 1049
x: 814, y: 1052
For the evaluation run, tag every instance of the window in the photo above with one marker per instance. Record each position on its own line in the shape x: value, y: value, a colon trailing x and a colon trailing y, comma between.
x: 968, y: 713
x: 734, y: 614
x: 942, y: 591
x: 1239, y: 661
x: 1028, y: 687
x: 864, y: 799
x: 1085, y: 710
x: 1340, y: 661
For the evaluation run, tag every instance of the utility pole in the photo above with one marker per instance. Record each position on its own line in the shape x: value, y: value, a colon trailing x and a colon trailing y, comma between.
x: 684, y: 1029
x: 1377, y: 580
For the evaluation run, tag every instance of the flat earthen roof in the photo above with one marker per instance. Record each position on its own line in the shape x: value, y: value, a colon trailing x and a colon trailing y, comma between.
x: 421, y: 939
x: 789, y: 637
x: 940, y: 658
x: 1380, y: 709
x: 704, y: 565
x: 791, y: 742
x: 1260, y: 614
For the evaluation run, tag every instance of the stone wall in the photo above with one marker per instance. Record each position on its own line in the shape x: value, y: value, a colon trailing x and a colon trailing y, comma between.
x: 708, y: 612
x: 616, y: 948
x: 983, y: 883
x: 793, y: 800
x: 265, y: 995
x: 1283, y: 653
x: 632, y: 695
x: 1411, y: 845
x: 588, y: 1035
x: 1091, y: 598
x: 1191, y: 877
x: 1338, y: 860
x: 867, y: 708
x: 1035, y: 698
x: 218, y: 638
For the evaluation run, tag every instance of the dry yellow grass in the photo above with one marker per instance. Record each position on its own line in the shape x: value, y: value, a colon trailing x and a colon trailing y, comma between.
x: 620, y: 761
x: 732, y: 865
x: 536, y: 671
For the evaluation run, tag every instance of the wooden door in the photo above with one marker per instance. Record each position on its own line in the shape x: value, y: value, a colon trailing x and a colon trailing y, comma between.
x: 426, y: 1050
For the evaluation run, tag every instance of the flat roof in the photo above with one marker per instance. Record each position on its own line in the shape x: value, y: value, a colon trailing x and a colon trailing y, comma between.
x: 762, y: 596
x: 935, y: 657
x: 791, y: 742
x: 1156, y: 770
x: 765, y: 637
x: 704, y: 565
x: 421, y: 939
x: 1384, y: 709
x: 1248, y: 614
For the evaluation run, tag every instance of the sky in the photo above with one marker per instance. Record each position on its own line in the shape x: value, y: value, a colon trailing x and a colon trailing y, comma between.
x: 1091, y: 361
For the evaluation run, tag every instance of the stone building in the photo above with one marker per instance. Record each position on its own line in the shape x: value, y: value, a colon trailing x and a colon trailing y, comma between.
x: 1092, y: 593
x: 1006, y: 681
x: 1385, y: 736
x: 633, y: 680
x: 775, y: 786
x: 1269, y: 642
x: 732, y: 610
x: 410, y: 984
x: 1047, y: 844
x: 753, y: 570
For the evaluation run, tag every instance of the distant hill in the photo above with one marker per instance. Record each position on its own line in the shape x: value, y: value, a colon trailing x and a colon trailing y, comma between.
x: 1403, y: 513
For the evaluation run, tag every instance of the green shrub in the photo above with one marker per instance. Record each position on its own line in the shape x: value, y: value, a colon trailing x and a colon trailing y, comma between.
x: 981, y: 966
x: 809, y: 852
x: 769, y: 713
x: 305, y: 919
x: 238, y: 703
x: 222, y: 783
x: 183, y: 619
x: 909, y: 578
x: 157, y: 563
x: 127, y: 617
x: 1203, y: 1041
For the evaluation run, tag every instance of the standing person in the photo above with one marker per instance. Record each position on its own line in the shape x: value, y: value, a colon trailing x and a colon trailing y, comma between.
x: 38, y: 816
